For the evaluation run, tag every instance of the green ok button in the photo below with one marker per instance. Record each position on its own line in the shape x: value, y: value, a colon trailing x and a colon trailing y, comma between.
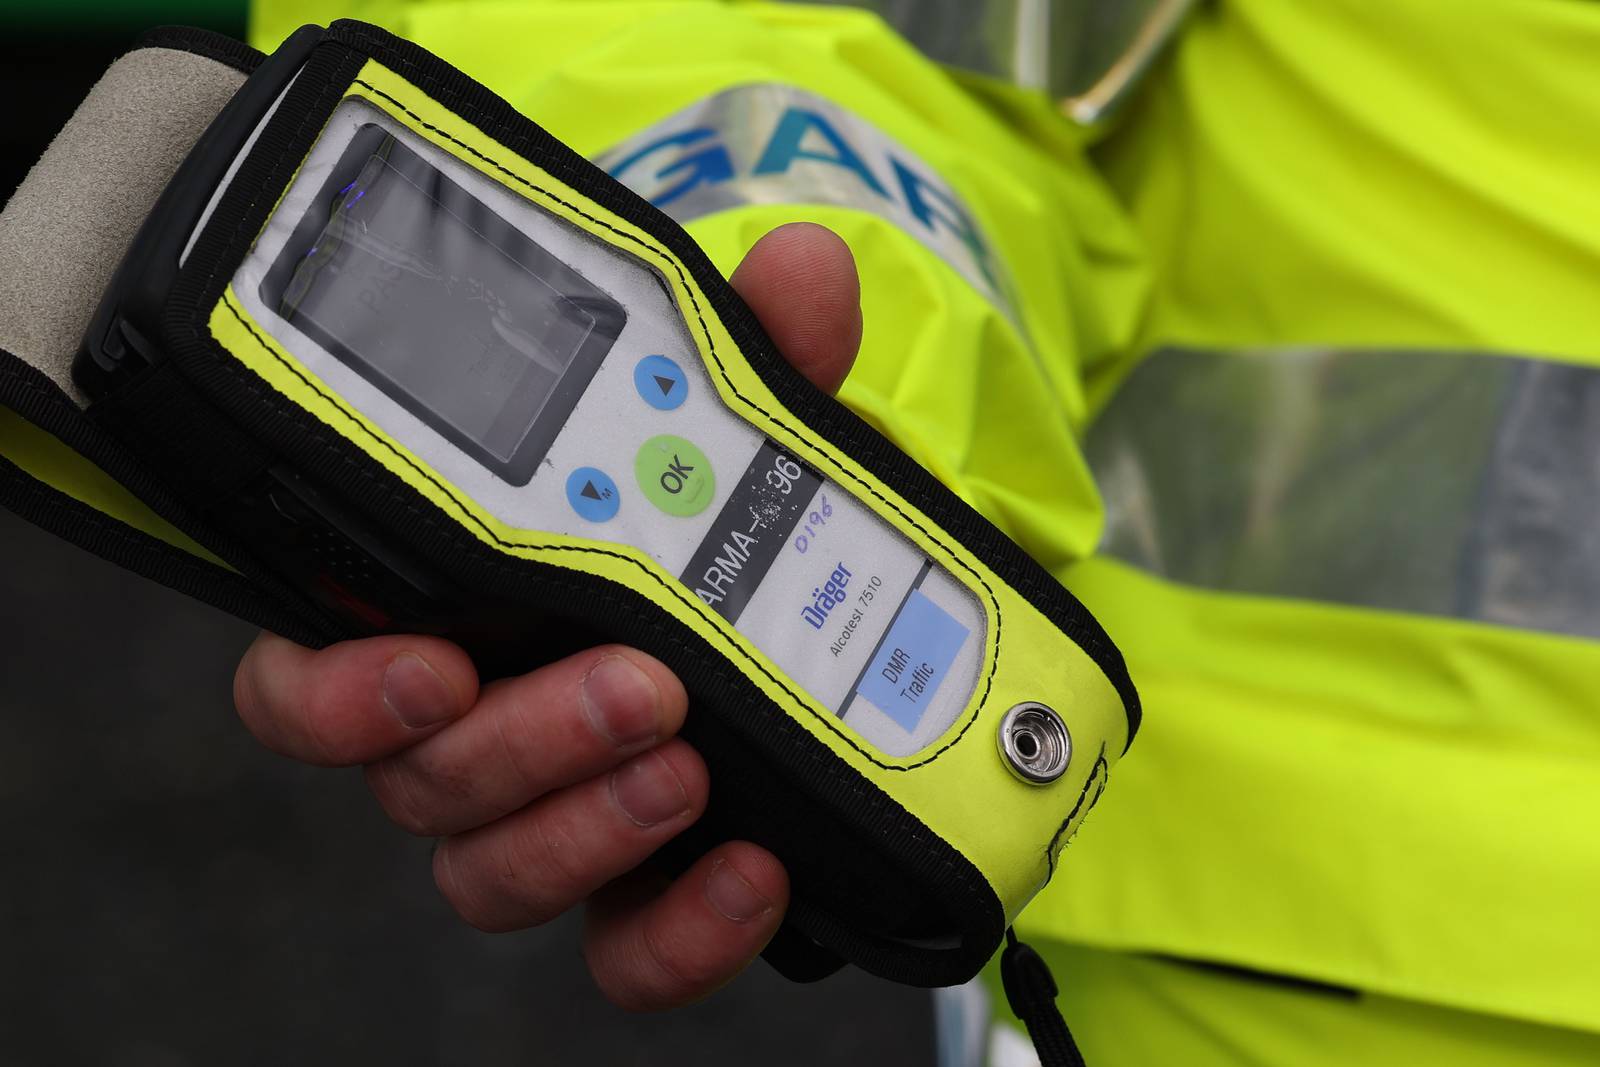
x: 675, y: 475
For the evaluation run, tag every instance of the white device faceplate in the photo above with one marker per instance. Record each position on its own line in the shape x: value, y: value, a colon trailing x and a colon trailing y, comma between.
x: 852, y: 611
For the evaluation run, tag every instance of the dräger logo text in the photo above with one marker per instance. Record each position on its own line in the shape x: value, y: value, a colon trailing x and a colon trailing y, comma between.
x: 827, y: 596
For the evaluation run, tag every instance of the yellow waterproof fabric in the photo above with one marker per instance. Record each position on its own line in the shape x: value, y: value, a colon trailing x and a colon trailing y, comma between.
x: 1147, y: 1012
x: 1405, y: 805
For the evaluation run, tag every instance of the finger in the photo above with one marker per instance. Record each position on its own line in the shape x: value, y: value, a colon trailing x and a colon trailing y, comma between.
x: 526, y: 736
x: 530, y: 867
x: 352, y: 702
x: 801, y: 282
x: 691, y: 939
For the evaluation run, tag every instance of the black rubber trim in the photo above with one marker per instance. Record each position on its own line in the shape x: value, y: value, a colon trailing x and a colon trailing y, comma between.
x: 218, y: 46
x: 258, y: 599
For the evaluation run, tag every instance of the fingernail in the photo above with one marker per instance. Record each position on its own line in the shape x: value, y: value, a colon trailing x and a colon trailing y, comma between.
x: 622, y: 703
x: 648, y: 791
x: 732, y: 896
x: 416, y: 693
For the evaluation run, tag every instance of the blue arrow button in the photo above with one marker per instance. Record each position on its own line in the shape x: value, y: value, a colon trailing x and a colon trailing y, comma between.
x: 592, y: 494
x: 661, y: 382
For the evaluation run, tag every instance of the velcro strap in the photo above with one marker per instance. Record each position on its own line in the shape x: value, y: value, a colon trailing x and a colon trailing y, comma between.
x: 70, y: 222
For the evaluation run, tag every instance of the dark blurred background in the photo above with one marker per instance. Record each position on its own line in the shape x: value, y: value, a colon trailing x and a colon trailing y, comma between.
x: 172, y: 894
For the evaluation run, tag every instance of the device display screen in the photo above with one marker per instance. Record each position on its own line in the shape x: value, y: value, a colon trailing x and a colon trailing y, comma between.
x: 438, y: 301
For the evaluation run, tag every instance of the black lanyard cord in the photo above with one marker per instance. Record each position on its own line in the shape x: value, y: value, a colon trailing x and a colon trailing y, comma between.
x: 1031, y: 991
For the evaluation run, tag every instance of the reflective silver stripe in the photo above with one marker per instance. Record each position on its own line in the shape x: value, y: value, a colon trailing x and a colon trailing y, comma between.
x: 1087, y: 53
x: 777, y: 144
x: 1433, y: 482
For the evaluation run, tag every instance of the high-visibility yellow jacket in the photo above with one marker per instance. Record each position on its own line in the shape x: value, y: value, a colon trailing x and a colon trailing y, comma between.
x: 1292, y: 380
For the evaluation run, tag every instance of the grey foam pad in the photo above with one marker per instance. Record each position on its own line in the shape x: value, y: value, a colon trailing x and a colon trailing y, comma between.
x: 69, y: 223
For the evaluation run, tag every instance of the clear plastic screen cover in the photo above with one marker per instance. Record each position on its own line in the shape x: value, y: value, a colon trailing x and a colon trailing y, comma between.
x: 396, y: 263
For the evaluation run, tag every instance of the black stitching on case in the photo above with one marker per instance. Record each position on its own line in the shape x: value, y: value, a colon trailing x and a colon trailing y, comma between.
x: 666, y: 257
x: 688, y: 601
x: 1102, y: 771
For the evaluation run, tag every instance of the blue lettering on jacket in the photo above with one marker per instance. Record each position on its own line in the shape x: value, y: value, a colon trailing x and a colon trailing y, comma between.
x: 769, y: 143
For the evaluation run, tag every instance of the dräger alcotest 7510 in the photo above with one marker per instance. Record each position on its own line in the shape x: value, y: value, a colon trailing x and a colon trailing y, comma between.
x: 394, y: 359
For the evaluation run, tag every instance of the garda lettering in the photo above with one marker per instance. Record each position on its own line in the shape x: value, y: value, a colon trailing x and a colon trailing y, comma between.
x: 763, y: 144
x: 826, y: 597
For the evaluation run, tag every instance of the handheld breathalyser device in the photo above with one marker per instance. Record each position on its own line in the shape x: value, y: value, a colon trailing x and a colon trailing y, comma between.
x: 397, y: 360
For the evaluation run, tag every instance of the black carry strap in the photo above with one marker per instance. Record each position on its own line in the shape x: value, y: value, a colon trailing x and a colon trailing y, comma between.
x: 1031, y: 992
x: 173, y: 429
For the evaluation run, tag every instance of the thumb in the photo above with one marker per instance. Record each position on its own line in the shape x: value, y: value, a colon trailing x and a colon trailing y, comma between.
x: 801, y: 282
